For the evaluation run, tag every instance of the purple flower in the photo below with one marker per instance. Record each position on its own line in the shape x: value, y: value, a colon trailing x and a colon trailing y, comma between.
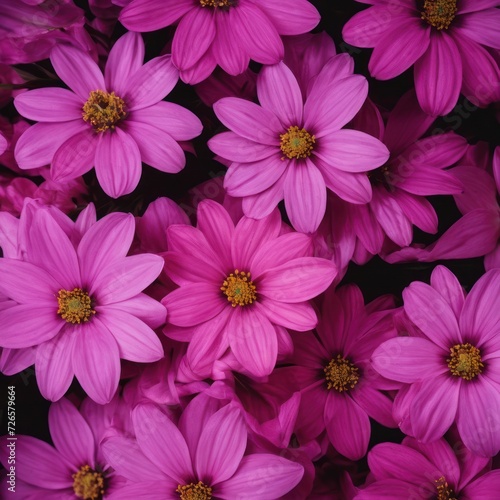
x: 112, y: 121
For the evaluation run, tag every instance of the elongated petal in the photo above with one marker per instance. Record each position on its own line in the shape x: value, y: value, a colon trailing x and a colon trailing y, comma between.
x: 482, y: 27
x: 447, y: 284
x: 262, y: 204
x: 144, y: 307
x: 428, y: 181
x: 298, y: 317
x: 299, y: 17
x: 418, y: 210
x: 236, y: 148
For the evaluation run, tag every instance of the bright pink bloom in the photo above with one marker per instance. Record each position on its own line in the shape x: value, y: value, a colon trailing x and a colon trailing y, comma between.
x: 432, y: 470
x: 237, y: 283
x: 205, y: 454
x: 446, y: 40
x: 81, y: 304
x: 73, y: 468
x: 453, y: 365
x: 112, y: 121
x: 289, y: 149
x: 227, y: 33
x: 339, y: 388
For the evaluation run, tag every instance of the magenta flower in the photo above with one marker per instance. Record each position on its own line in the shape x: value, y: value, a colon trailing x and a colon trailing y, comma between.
x: 339, y: 388
x: 112, y: 121
x: 446, y: 40
x: 202, y: 458
x: 237, y: 283
x: 227, y: 33
x: 81, y: 305
x: 453, y: 365
x: 289, y: 149
x: 432, y: 470
x: 3, y: 143
x: 72, y: 468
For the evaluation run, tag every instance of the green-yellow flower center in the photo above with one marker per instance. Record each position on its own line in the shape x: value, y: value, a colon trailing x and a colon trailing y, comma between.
x: 239, y: 289
x: 88, y: 483
x: 444, y: 492
x: 297, y: 143
x: 192, y: 491
x: 341, y: 374
x: 439, y: 13
x: 465, y: 361
x: 220, y: 4
x: 75, y: 306
x: 103, y: 110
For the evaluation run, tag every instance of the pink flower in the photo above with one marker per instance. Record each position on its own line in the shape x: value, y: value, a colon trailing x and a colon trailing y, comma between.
x: 81, y: 304
x: 339, y: 388
x: 432, y: 470
x: 3, y: 143
x: 227, y: 33
x: 237, y: 284
x: 72, y: 468
x: 453, y: 364
x: 201, y: 458
x: 446, y: 40
x: 112, y: 122
x: 289, y: 149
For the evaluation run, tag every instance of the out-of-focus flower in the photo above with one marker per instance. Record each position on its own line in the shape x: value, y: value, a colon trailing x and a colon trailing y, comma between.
x: 453, y: 364
x: 227, y: 33
x: 446, y: 40
x: 112, y: 121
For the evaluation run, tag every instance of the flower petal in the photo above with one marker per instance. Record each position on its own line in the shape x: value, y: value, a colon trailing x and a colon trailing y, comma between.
x: 238, y: 149
x: 298, y: 317
x: 482, y: 27
x: 447, y: 284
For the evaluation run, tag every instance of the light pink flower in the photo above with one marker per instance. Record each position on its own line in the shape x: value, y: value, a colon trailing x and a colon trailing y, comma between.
x: 81, y: 304
x: 227, y: 33
x: 237, y: 283
x: 287, y: 148
x: 453, y: 366
x: 112, y: 121
x: 447, y: 41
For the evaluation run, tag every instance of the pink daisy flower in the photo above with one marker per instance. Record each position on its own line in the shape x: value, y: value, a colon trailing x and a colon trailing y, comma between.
x: 81, y: 305
x: 446, y: 40
x: 202, y: 458
x: 112, y: 121
x: 237, y: 285
x: 227, y: 33
x: 453, y: 364
x: 287, y: 148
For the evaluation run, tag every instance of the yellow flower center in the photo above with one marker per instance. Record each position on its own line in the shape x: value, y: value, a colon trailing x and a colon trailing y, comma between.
x: 238, y: 289
x: 221, y: 4
x: 444, y: 492
x: 191, y: 491
x: 439, y: 13
x: 297, y: 143
x: 465, y: 361
x: 341, y: 374
x: 103, y: 110
x: 75, y: 306
x: 88, y: 484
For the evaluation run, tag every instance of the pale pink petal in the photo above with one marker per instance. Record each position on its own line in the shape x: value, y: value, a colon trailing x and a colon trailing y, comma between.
x: 262, y: 204
x: 279, y: 92
x: 447, y: 284
x: 144, y: 307
x: 305, y: 196
x: 432, y: 314
x: 249, y: 120
x: 352, y: 151
x: 125, y: 58
x: 295, y: 18
x: 221, y: 445
x: 267, y: 476
x: 96, y: 361
x: 162, y: 442
x: 193, y: 36
x: 77, y: 70
x: 437, y: 84
x: 482, y: 27
x: 336, y: 68
x: 150, y: 83
x: 117, y: 163
x: 49, y: 105
x: 238, y: 149
x: 298, y: 317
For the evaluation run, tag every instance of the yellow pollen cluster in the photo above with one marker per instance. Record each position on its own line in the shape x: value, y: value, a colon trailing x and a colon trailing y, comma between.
x: 191, y: 491
x: 297, y: 143
x: 75, y: 306
x: 103, y: 110
x: 217, y: 3
x: 439, y: 13
x: 341, y: 374
x: 465, y: 361
x: 444, y: 492
x: 238, y: 289
x: 88, y: 484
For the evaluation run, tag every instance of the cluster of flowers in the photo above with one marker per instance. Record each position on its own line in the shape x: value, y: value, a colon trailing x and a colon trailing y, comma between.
x: 219, y: 352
